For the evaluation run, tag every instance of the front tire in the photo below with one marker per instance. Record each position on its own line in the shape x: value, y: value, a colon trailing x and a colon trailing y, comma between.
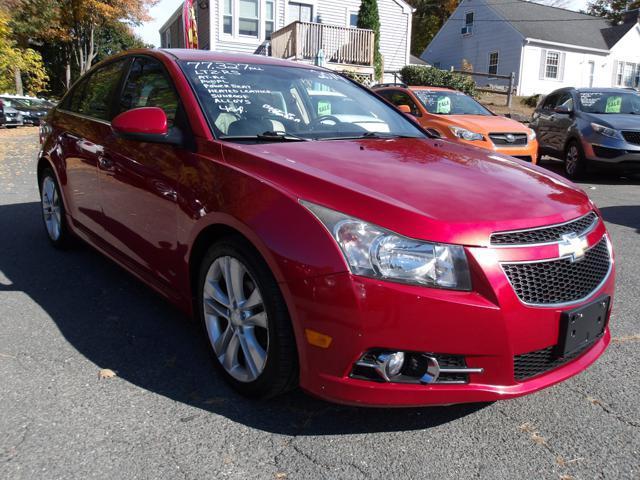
x: 574, y: 161
x: 246, y: 320
x: 53, y: 213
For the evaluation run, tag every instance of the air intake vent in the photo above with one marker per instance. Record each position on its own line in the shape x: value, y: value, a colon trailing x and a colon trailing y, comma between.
x: 534, y: 363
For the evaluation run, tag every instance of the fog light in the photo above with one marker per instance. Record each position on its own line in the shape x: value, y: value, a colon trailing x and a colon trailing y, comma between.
x: 389, y: 364
x: 395, y: 363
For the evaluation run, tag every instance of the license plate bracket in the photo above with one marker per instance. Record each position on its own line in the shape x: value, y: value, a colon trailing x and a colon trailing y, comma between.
x: 582, y: 326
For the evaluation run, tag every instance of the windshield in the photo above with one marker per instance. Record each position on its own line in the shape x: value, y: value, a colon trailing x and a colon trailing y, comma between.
x: 243, y: 100
x: 610, y: 102
x: 441, y: 102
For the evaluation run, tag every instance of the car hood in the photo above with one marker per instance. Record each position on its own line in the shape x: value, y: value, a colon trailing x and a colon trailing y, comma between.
x: 618, y: 121
x: 422, y: 188
x: 487, y: 123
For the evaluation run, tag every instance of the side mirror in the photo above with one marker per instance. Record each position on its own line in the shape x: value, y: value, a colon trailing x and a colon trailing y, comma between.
x: 405, y: 109
x: 146, y: 124
x: 562, y: 110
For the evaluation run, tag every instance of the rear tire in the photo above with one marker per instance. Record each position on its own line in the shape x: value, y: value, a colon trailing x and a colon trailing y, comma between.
x: 574, y: 161
x: 53, y: 212
x: 246, y: 320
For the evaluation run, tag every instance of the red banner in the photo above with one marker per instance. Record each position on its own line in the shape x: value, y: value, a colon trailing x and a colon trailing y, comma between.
x: 190, y: 24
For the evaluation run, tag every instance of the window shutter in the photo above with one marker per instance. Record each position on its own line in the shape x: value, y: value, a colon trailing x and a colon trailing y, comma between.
x: 543, y: 62
x: 561, y: 61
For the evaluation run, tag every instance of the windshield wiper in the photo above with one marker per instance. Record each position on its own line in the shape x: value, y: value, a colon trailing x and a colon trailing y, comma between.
x: 269, y: 136
x: 370, y: 135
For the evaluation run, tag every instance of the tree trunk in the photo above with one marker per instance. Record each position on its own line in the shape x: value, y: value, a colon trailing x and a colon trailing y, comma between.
x: 17, y: 74
x: 67, y: 75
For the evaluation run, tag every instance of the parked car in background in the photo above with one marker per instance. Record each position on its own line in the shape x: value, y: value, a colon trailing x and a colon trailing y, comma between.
x: 369, y: 267
x: 32, y: 110
x: 458, y: 117
x: 9, y: 116
x: 590, y: 126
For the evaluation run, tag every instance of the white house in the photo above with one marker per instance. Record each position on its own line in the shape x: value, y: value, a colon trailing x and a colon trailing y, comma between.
x: 298, y: 29
x: 546, y: 47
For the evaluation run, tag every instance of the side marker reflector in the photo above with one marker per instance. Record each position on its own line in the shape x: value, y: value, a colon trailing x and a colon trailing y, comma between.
x: 317, y: 339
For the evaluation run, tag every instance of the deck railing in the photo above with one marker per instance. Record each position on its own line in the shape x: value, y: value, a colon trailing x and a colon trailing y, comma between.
x: 344, y: 45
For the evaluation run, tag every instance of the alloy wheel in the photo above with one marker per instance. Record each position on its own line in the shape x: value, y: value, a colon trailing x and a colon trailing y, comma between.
x: 573, y: 157
x: 51, y: 208
x: 236, y: 320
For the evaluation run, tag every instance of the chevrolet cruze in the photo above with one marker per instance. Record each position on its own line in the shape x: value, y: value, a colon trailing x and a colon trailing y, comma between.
x: 321, y: 237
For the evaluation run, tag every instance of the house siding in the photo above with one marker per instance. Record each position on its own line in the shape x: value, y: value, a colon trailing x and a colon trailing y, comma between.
x: 395, y: 27
x: 575, y: 70
x: 450, y: 47
x: 626, y: 50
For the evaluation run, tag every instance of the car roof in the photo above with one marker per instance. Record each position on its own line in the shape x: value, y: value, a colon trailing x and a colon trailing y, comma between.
x: 607, y: 90
x: 212, y: 56
x: 435, y: 89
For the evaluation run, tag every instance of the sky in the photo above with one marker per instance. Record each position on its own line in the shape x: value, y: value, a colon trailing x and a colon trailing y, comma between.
x: 164, y: 8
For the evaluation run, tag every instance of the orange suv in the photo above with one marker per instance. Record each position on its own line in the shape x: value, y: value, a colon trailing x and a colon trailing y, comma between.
x: 458, y: 117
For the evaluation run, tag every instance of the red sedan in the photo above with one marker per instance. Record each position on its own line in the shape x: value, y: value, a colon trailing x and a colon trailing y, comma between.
x: 323, y: 238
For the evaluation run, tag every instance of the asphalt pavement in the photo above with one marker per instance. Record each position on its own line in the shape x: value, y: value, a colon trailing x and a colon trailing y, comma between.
x: 166, y: 415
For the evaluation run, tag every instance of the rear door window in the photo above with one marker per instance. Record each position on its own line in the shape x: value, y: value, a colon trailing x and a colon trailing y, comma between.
x: 149, y: 86
x: 97, y: 95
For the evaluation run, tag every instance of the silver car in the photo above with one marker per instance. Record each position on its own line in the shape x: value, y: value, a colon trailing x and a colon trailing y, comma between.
x: 590, y: 126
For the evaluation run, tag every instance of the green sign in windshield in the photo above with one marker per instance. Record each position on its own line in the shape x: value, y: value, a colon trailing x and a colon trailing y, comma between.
x: 614, y: 105
x: 444, y: 105
x: 324, y: 108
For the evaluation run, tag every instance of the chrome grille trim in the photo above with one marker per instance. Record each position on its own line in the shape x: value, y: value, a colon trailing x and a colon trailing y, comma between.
x: 580, y: 233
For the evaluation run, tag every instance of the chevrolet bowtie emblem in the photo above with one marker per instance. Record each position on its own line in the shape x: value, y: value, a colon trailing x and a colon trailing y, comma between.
x: 572, y: 246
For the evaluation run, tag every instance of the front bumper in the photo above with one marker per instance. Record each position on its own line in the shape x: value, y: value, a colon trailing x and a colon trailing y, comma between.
x: 610, y: 152
x: 528, y: 152
x: 489, y: 326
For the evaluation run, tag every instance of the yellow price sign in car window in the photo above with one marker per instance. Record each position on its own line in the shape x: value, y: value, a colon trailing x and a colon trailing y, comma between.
x: 614, y: 105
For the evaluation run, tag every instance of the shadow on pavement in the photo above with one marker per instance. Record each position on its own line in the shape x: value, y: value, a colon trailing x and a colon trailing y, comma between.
x: 625, y: 215
x: 118, y: 323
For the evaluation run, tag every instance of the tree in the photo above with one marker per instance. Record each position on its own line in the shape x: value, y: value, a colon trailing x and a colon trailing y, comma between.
x: 84, y: 18
x: 429, y: 17
x: 368, y: 17
x: 613, y: 10
x: 16, y: 62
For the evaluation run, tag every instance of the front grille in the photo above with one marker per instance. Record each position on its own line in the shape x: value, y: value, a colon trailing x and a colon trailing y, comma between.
x: 632, y: 137
x: 502, y: 139
x: 538, y: 362
x: 549, y: 234
x: 560, y: 280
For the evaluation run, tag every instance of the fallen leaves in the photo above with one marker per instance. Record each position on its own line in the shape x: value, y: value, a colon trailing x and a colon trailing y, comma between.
x: 106, y: 373
x: 280, y: 476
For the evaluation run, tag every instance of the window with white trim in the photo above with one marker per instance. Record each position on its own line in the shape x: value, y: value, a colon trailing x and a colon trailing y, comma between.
x: 300, y: 12
x: 552, y: 65
x: 493, y: 63
x: 248, y: 18
x: 468, y: 23
x: 269, y: 18
x: 227, y: 17
x: 628, y: 74
x: 353, y: 19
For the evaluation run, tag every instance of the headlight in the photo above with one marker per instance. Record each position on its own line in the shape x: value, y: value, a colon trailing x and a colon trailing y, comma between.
x: 373, y: 251
x: 606, y: 131
x: 532, y: 135
x: 465, y: 134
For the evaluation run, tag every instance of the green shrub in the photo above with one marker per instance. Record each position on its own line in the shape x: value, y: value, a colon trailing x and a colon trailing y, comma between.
x: 531, y: 101
x: 420, y: 75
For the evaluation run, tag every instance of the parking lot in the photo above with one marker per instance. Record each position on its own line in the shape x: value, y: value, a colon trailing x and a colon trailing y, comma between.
x: 165, y: 414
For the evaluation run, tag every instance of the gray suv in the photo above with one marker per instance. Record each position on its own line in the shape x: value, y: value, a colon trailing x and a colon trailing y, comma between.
x: 594, y: 126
